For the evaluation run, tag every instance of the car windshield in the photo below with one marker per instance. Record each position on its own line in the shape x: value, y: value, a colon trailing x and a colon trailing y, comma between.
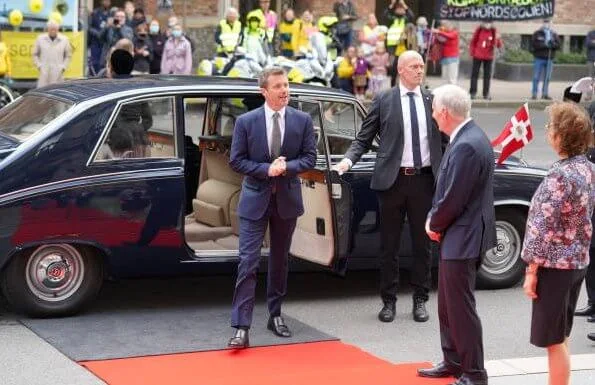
x: 29, y: 114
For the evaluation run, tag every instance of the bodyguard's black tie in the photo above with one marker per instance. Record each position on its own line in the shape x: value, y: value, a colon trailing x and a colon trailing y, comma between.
x: 414, y: 131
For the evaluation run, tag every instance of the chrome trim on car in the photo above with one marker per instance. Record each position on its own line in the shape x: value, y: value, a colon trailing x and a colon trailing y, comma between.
x: 510, y: 202
x: 84, y: 181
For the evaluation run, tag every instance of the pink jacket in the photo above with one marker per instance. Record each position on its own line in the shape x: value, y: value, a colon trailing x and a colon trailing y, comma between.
x: 177, y: 57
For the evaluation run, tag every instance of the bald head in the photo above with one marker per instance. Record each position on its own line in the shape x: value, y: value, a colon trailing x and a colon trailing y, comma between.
x: 53, y: 28
x: 411, y: 69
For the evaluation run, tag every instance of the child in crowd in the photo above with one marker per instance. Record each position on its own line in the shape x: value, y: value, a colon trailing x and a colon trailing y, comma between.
x: 379, y: 62
x: 360, y: 74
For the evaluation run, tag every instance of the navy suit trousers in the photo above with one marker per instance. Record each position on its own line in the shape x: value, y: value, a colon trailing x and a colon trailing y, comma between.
x: 252, y: 234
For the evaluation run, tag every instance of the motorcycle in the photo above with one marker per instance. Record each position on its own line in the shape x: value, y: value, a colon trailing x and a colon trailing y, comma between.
x: 313, y: 66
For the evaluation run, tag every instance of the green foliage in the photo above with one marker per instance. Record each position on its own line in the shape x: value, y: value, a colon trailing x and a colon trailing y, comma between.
x: 570, y: 58
x: 524, y: 56
x: 518, y: 56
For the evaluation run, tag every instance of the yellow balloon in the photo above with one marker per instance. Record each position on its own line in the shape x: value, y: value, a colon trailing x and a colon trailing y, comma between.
x: 35, y: 6
x: 15, y: 17
x: 56, y: 17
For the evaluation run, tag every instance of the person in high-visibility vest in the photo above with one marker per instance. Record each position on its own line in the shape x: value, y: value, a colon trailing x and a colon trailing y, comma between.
x: 228, y: 33
x: 287, y: 29
x: 326, y: 25
x: 398, y: 14
x: 267, y: 18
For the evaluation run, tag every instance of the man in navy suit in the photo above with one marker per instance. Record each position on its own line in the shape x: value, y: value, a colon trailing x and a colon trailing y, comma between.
x: 271, y: 145
x: 462, y: 219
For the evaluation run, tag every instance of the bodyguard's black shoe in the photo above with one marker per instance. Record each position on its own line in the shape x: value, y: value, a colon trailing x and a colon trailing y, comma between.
x: 387, y: 314
x: 420, y: 314
x: 439, y: 371
x: 591, y: 336
x: 464, y: 380
x: 586, y: 311
x: 591, y: 318
x: 240, y: 340
x: 277, y: 326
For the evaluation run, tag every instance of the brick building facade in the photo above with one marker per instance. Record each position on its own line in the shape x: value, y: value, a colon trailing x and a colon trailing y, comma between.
x: 201, y: 16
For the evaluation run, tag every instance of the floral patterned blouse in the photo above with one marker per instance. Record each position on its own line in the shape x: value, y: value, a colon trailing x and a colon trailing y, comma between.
x: 559, y: 225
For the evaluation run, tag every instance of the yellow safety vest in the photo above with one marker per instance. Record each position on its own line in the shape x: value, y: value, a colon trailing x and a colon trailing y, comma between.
x: 325, y: 21
x: 395, y: 32
x: 286, y: 32
x: 229, y: 36
x: 270, y: 31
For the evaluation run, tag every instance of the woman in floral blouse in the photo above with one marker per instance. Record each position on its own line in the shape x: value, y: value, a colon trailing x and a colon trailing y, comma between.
x: 558, y: 234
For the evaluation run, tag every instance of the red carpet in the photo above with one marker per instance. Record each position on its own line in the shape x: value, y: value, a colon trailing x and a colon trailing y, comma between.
x: 301, y: 364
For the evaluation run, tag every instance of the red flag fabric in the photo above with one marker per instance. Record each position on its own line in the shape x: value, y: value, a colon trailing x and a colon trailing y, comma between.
x: 516, y: 133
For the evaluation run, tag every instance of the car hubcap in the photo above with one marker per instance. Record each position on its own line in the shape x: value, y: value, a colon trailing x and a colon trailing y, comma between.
x: 504, y: 256
x: 55, y: 272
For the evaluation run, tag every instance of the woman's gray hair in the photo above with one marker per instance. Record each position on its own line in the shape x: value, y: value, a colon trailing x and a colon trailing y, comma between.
x: 263, y: 78
x: 455, y: 99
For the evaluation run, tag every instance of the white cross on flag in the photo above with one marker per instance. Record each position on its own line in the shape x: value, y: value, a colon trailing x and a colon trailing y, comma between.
x: 516, y: 133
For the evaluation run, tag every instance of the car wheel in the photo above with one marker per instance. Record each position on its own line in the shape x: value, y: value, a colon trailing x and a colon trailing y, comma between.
x: 502, y: 266
x: 52, y: 280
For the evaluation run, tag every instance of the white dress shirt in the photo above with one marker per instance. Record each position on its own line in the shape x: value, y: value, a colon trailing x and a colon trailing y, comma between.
x: 268, y: 114
x: 424, y: 142
x: 456, y: 130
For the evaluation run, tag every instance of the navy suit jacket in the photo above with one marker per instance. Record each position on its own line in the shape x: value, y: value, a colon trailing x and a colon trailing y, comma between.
x: 250, y: 156
x: 463, y: 205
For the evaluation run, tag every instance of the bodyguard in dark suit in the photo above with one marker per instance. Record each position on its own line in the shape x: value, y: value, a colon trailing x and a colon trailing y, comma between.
x: 462, y: 219
x: 407, y: 162
x: 271, y: 145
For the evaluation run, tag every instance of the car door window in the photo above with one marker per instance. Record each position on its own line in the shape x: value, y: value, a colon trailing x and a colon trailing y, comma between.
x: 339, y: 127
x: 142, y: 129
x: 194, y: 117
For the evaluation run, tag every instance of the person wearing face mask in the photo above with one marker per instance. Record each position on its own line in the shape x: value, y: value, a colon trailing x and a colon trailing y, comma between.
x: 228, y: 33
x: 177, y: 54
x: 544, y: 44
x: 171, y: 23
x: 143, y: 50
x: 158, y: 40
x: 484, y: 40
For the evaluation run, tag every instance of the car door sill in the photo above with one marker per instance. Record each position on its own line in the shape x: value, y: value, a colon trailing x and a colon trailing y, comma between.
x: 219, y: 256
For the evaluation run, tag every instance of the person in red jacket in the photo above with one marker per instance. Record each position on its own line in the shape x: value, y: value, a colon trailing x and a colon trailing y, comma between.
x: 449, y: 37
x: 485, y: 39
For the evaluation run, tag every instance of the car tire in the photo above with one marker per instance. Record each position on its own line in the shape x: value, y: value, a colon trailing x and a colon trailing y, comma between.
x: 52, y: 280
x: 502, y: 266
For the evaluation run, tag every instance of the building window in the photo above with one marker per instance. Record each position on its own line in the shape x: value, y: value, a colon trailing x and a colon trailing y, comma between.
x: 577, y: 44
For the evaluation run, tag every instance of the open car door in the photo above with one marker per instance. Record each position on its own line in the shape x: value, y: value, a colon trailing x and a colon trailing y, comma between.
x: 323, y: 234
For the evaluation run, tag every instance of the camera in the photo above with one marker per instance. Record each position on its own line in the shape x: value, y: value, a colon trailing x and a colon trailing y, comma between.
x: 116, y: 21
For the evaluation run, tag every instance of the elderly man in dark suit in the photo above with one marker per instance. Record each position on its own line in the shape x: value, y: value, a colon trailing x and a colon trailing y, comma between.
x: 407, y: 163
x: 271, y: 145
x: 462, y: 219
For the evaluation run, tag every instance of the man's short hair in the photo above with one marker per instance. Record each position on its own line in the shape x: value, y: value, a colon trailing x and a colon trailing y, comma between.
x: 263, y: 79
x: 121, y: 62
x: 456, y: 100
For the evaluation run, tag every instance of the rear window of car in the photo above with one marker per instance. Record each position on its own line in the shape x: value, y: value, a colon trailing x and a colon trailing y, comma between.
x: 29, y: 114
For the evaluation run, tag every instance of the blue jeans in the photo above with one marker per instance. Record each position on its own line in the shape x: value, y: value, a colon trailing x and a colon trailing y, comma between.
x: 541, y: 66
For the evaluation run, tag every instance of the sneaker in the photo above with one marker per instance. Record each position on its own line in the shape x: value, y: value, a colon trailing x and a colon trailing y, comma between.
x: 546, y: 97
x: 534, y: 97
x: 487, y: 97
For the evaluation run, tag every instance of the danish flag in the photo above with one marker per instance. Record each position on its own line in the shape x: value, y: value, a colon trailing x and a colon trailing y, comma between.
x: 516, y: 133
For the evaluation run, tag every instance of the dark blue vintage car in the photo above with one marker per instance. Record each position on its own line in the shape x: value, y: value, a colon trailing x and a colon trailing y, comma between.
x: 126, y: 177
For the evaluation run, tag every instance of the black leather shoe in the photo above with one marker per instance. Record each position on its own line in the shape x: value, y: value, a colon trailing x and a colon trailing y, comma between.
x: 587, y: 310
x: 591, y: 336
x: 277, y: 326
x: 591, y: 318
x: 240, y: 340
x: 438, y: 371
x: 387, y: 314
x: 420, y: 314
x: 464, y: 380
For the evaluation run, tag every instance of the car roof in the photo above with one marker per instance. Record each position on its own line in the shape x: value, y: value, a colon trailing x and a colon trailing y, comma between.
x: 86, y: 89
